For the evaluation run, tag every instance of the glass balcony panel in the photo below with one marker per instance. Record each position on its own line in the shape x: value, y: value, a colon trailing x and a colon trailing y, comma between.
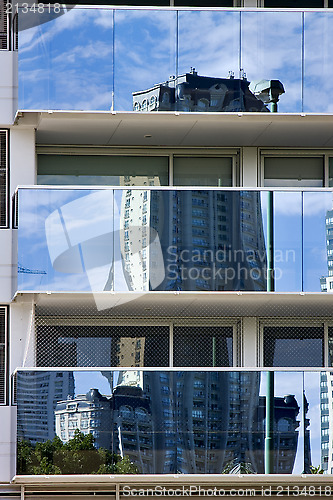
x: 66, y: 62
x: 170, y: 421
x: 318, y: 72
x: 218, y: 57
x: 72, y: 230
x: 271, y: 49
x: 145, y: 56
x: 317, y: 241
x: 288, y: 241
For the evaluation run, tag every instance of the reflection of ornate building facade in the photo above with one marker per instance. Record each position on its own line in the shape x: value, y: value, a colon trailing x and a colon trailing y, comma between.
x: 191, y: 92
x: 89, y: 413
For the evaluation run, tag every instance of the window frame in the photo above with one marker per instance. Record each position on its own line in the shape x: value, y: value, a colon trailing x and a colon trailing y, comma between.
x: 291, y: 322
x: 95, y: 321
x: 170, y: 153
x: 294, y: 153
x: 5, y: 169
x: 4, y: 344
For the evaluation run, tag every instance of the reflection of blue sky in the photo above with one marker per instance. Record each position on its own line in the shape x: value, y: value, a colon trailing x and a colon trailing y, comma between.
x: 293, y: 383
x: 93, y: 380
x: 78, y: 60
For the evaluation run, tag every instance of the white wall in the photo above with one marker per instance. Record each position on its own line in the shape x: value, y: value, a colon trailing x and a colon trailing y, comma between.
x: 250, y: 167
x: 8, y: 87
x: 7, y: 443
x: 22, y: 157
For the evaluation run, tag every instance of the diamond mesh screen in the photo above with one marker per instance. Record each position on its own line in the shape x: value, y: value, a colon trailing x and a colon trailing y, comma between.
x: 3, y: 27
x: 293, y: 346
x: 2, y: 355
x: 202, y: 346
x: 3, y: 178
x: 93, y: 344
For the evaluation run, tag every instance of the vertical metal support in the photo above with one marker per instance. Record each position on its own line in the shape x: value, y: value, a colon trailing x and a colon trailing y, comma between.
x: 270, y: 242
x: 117, y: 491
x: 22, y: 492
x: 214, y: 351
x: 269, y: 436
x: 171, y: 345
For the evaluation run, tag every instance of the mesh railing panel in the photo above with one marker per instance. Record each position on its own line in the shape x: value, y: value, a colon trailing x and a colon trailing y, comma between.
x: 202, y: 346
x: 3, y: 27
x: 3, y: 178
x: 92, y: 344
x: 2, y: 355
x: 293, y: 345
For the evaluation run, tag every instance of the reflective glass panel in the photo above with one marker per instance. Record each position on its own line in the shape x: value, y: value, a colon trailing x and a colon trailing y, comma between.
x: 293, y: 346
x: 200, y: 171
x: 67, y: 62
x: 317, y: 240
x: 102, y: 170
x: 215, y: 58
x: 294, y: 171
x: 145, y: 56
x: 288, y: 241
x: 271, y: 49
x: 318, y: 72
x: 202, y: 422
x: 73, y: 231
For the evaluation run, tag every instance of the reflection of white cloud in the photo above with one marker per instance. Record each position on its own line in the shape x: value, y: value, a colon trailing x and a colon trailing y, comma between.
x: 290, y: 203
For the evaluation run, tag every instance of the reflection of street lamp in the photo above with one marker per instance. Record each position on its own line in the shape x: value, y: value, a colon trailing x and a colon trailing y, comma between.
x: 268, y: 91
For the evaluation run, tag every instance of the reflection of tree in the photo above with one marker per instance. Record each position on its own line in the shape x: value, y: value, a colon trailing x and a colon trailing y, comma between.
x: 77, y: 456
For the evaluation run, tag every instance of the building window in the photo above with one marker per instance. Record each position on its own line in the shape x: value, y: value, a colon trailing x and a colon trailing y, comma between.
x: 205, y: 171
x: 294, y: 171
x: 102, y: 170
x: 3, y: 178
x: 293, y: 345
x: 3, y: 355
x: 4, y: 28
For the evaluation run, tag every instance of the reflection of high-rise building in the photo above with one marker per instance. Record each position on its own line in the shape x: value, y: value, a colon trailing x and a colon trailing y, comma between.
x: 326, y: 282
x: 37, y: 399
x: 326, y: 414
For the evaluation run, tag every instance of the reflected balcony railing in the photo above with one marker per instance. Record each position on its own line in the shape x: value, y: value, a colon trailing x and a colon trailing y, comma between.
x: 155, y: 239
x: 96, y: 59
x: 123, y: 422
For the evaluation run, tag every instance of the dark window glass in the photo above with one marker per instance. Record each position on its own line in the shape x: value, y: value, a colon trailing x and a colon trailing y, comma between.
x: 293, y: 346
x: 294, y: 171
x: 102, y: 170
x: 92, y: 345
x: 306, y: 4
x: 202, y: 346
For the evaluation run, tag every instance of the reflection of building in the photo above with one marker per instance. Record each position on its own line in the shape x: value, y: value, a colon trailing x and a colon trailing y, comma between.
x: 191, y: 92
x: 217, y: 240
x: 326, y: 414
x: 36, y: 405
x: 89, y: 413
x: 326, y: 282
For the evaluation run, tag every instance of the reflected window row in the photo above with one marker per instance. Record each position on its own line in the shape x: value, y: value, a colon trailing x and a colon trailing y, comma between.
x: 70, y: 341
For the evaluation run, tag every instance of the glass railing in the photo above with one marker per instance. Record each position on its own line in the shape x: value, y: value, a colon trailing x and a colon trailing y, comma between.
x: 95, y: 240
x: 141, y: 59
x: 159, y: 422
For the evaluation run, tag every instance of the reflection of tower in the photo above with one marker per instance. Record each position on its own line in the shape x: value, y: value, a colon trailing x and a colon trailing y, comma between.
x: 132, y: 422
x: 285, y: 434
x: 326, y: 282
x: 202, y: 245
x: 326, y: 414
x: 37, y: 397
x: 89, y: 413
